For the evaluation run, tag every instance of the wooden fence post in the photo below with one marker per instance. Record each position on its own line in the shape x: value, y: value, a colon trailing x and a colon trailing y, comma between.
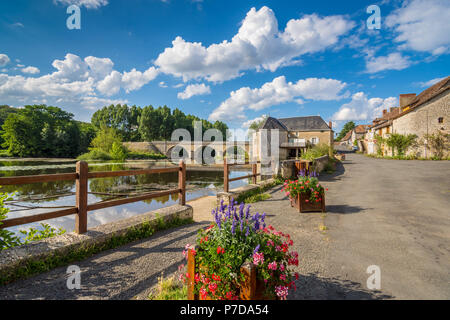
x: 225, y: 175
x: 81, y: 197
x: 254, y: 172
x: 248, y: 288
x: 191, y: 272
x: 182, y: 183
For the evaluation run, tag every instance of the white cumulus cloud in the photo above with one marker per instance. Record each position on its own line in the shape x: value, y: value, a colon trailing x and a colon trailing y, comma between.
x: 30, y: 70
x: 362, y: 108
x: 4, y: 59
x: 276, y: 92
x: 393, y: 61
x: 258, y: 45
x: 89, y: 4
x: 422, y: 25
x: 194, y: 90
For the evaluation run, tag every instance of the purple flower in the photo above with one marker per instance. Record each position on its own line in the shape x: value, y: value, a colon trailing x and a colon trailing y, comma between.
x: 242, y: 225
x: 247, y: 212
x: 233, y: 227
x: 247, y: 232
x: 256, y: 249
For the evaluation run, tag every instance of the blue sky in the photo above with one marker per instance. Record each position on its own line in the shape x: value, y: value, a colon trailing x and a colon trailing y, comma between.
x: 232, y: 61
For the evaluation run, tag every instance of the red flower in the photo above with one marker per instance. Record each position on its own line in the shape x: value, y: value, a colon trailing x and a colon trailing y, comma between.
x: 220, y: 250
x: 216, y: 278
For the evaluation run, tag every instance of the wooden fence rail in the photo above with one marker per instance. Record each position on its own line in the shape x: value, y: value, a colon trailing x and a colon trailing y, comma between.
x: 81, y: 208
x: 226, y: 173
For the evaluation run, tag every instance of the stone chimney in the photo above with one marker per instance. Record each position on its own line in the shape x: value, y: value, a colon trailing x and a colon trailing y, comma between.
x: 384, y: 112
x: 330, y: 125
x: 406, y: 99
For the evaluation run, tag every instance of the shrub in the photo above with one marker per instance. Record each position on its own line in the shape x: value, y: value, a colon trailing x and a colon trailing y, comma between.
x: 317, y: 151
x: 8, y: 239
x: 236, y: 237
x: 135, y: 155
x: 118, y: 151
x: 439, y: 143
x: 307, y: 185
x: 95, y: 154
x: 401, y: 142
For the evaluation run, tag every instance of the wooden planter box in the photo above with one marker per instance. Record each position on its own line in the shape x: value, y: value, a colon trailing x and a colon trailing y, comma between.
x: 251, y: 289
x: 300, y: 203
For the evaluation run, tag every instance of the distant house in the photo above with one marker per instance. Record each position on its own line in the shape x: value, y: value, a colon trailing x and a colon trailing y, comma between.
x: 356, y: 134
x: 298, y: 133
x: 423, y: 114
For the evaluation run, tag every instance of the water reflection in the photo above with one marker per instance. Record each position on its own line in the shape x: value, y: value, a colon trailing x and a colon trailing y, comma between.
x: 30, y: 198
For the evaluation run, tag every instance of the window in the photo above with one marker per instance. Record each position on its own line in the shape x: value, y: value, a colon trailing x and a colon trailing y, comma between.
x: 314, y: 140
x: 441, y: 119
x: 387, y: 129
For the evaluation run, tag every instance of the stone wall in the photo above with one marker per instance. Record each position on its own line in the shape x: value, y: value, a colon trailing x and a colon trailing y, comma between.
x: 425, y: 119
x: 59, y: 245
x: 235, y: 193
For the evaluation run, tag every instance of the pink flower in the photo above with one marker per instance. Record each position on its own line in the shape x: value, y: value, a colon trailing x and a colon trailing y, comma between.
x: 270, y: 243
x: 281, y: 291
x: 283, y: 277
x: 282, y: 267
x: 272, y: 266
x: 258, y: 258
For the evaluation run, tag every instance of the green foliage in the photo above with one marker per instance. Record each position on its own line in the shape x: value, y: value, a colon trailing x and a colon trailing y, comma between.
x: 317, y: 151
x: 57, y: 259
x: 347, y: 127
x: 257, y: 197
x: 306, y: 185
x: 137, y: 155
x: 256, y: 124
x: 159, y: 123
x: 248, y: 195
x: 169, y: 289
x: 118, y: 151
x: 379, y: 141
x: 401, y: 142
x: 41, y: 131
x: 105, y: 139
x: 95, y: 154
x: 7, y: 238
x: 439, y: 143
x: 34, y: 234
x: 124, y: 119
x: 236, y: 238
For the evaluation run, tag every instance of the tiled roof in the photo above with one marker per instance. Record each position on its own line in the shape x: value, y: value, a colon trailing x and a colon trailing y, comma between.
x: 362, y: 128
x: 309, y: 123
x: 272, y: 123
x: 347, y: 136
x: 431, y: 92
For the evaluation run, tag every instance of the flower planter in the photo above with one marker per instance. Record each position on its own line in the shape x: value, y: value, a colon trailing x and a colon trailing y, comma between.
x: 299, y: 202
x: 251, y: 289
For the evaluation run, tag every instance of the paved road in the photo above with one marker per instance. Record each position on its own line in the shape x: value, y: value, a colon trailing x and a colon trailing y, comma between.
x: 389, y: 213
x: 394, y: 214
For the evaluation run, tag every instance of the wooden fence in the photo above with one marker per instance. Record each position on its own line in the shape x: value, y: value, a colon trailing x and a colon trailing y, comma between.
x: 82, y: 207
x: 226, y: 173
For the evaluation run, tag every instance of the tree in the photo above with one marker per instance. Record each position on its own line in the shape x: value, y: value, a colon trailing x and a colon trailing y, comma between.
x: 347, y: 127
x: 120, y: 117
x: 105, y: 139
x: 401, y: 142
x: 256, y: 124
x: 40, y: 130
x: 439, y: 143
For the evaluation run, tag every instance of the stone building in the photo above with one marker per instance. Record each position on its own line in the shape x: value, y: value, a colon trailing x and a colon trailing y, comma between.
x: 296, y: 134
x: 423, y: 114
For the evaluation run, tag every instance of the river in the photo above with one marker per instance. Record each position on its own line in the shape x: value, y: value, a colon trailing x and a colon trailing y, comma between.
x: 37, y: 198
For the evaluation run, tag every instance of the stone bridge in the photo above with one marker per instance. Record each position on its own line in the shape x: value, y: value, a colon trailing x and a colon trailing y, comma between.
x: 166, y: 147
